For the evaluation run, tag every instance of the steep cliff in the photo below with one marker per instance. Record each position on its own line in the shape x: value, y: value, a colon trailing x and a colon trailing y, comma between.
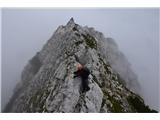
x: 47, y: 83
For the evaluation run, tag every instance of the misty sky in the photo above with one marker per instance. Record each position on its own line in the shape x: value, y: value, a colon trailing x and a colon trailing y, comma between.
x: 136, y: 31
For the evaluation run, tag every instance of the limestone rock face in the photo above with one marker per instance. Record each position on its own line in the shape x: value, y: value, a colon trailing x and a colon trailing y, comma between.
x: 47, y: 83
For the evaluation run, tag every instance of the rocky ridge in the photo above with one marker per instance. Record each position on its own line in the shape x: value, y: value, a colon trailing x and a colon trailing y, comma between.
x: 47, y: 83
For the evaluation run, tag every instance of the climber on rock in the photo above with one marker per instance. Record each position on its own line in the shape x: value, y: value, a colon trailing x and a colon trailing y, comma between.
x: 82, y: 72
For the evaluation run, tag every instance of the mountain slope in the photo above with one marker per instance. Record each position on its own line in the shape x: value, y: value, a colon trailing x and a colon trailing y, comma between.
x: 48, y: 85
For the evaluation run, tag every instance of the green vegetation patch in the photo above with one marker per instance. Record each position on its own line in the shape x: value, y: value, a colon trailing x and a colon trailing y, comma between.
x: 90, y: 41
x: 116, y: 108
x: 139, y: 105
x: 37, y: 100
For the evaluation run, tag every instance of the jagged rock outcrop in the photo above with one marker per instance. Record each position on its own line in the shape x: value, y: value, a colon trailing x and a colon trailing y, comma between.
x: 48, y: 85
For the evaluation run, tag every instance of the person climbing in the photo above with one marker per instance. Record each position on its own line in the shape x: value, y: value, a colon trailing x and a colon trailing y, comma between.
x: 82, y: 72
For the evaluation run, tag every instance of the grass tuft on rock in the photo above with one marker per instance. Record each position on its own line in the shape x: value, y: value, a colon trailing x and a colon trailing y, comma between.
x: 90, y: 41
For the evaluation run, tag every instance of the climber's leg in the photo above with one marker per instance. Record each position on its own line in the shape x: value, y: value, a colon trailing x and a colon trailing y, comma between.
x: 85, y: 85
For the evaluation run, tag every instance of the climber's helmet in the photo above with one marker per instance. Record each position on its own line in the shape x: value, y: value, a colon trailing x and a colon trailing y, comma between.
x: 79, y: 66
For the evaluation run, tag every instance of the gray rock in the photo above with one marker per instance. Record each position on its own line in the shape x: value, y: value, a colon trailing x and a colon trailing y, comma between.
x: 48, y: 84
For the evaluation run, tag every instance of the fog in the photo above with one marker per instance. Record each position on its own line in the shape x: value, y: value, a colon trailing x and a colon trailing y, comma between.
x: 136, y: 31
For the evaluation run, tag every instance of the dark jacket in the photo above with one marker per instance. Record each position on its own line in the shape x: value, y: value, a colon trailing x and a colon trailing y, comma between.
x: 83, y: 73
